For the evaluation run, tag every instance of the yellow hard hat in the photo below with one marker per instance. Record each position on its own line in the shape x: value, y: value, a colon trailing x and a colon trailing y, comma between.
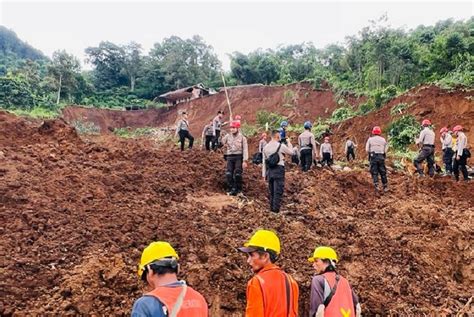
x: 262, y: 240
x: 323, y: 253
x: 156, y: 251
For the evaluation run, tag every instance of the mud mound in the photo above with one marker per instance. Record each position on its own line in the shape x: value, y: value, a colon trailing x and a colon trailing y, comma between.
x: 76, y: 218
x: 297, y: 101
x: 442, y: 107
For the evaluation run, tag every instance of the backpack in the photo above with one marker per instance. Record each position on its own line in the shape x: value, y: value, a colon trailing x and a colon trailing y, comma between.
x: 295, y: 159
x: 273, y: 160
x: 257, y: 158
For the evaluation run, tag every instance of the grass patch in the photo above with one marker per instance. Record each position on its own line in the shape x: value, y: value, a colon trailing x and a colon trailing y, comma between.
x: 36, y: 113
x: 86, y: 127
x: 129, y: 132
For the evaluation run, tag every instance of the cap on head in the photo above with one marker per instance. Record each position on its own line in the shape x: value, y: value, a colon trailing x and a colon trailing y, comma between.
x: 323, y: 252
x: 284, y: 124
x: 220, y: 112
x: 457, y: 128
x: 156, y: 251
x: 235, y: 124
x: 426, y: 123
x: 376, y: 130
x: 443, y: 130
x: 262, y: 240
x: 307, y: 125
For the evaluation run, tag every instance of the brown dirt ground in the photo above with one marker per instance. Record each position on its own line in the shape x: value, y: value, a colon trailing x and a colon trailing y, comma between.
x: 76, y: 213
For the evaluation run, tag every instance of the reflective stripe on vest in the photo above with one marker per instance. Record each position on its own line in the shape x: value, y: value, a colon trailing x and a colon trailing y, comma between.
x: 341, y: 303
x: 181, y: 301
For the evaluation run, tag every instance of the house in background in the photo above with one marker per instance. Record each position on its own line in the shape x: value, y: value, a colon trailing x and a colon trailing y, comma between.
x: 184, y: 94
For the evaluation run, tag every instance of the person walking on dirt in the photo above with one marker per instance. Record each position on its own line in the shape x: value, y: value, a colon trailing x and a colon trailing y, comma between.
x: 307, y: 144
x: 183, y: 131
x: 349, y: 149
x: 426, y: 140
x: 325, y: 151
x: 376, y: 147
x: 169, y: 296
x: 273, y: 169
x: 237, y: 156
x: 208, y: 136
x: 331, y: 293
x: 462, y: 153
x: 270, y: 292
x: 217, y: 124
x: 448, y: 153
x: 282, y: 130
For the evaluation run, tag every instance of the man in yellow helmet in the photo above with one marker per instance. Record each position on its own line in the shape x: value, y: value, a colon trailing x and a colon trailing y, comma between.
x: 331, y: 294
x: 169, y: 297
x: 271, y: 292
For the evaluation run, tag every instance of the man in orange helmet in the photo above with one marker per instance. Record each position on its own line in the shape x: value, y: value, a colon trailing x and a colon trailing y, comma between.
x: 376, y: 147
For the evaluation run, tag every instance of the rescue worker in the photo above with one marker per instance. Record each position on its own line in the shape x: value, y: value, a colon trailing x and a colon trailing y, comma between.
x: 376, y: 147
x: 168, y: 297
x: 446, y: 146
x: 462, y: 153
x: 270, y: 292
x: 426, y: 141
x: 217, y: 124
x: 349, y: 149
x: 182, y: 130
x: 237, y: 155
x: 208, y: 135
x: 282, y: 130
x: 325, y: 151
x: 258, y: 157
x: 273, y: 172
x: 331, y: 293
x: 307, y: 144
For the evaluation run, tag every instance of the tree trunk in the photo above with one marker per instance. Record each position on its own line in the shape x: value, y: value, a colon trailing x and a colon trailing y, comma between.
x: 132, y: 83
x: 59, y: 88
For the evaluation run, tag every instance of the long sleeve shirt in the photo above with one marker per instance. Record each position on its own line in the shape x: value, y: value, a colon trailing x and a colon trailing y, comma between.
x: 271, y: 148
x: 461, y: 143
x: 216, y: 124
x: 305, y: 139
x: 376, y: 144
x: 261, y: 145
x: 236, y: 144
x: 427, y: 137
x: 446, y: 141
x: 325, y: 148
x: 183, y: 124
x: 208, y: 130
x: 348, y: 145
x: 320, y: 289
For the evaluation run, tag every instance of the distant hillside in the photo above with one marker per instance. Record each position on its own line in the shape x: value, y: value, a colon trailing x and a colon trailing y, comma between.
x: 14, y: 51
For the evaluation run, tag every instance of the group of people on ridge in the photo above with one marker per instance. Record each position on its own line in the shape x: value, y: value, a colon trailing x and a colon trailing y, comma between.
x: 271, y: 292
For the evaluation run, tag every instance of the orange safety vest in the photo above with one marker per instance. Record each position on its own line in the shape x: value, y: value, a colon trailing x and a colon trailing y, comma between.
x: 278, y: 294
x: 193, y: 304
x: 341, y: 303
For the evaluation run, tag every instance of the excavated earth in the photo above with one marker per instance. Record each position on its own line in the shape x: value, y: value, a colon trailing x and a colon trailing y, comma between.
x: 76, y: 212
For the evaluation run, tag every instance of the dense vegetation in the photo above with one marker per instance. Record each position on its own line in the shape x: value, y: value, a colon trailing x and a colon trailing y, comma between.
x: 378, y: 62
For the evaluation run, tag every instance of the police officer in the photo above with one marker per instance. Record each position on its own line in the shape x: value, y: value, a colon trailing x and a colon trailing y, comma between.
x: 282, y: 130
x: 237, y: 155
x: 182, y: 130
x: 217, y: 125
x: 376, y: 147
x: 446, y: 145
x: 307, y: 145
x: 462, y: 153
x: 426, y: 140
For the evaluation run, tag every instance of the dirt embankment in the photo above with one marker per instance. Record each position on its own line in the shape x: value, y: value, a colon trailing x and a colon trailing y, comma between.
x: 75, y: 215
x: 299, y: 102
x: 442, y: 107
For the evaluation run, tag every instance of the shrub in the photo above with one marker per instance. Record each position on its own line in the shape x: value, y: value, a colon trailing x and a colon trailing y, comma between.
x: 341, y: 114
x: 249, y: 130
x: 366, y: 107
x: 37, y: 112
x: 402, y: 132
x: 86, y: 127
x: 383, y: 96
x: 399, y: 108
x: 272, y: 119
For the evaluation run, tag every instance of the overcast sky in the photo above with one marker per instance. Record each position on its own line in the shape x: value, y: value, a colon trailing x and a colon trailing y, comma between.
x: 226, y: 25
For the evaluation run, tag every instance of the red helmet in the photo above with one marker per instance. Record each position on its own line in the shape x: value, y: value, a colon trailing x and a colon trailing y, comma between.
x: 426, y: 122
x: 457, y: 128
x: 443, y: 130
x: 235, y: 124
x: 238, y: 117
x: 376, y: 130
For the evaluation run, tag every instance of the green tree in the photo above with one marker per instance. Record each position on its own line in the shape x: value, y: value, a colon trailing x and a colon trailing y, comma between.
x: 64, y: 68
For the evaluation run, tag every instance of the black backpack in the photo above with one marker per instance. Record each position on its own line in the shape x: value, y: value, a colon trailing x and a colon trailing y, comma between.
x: 273, y: 160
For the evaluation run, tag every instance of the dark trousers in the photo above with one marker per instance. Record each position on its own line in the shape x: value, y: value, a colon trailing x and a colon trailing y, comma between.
x: 184, y: 134
x: 208, y: 141
x: 377, y: 166
x: 426, y: 153
x: 448, y: 160
x: 326, y: 159
x: 306, y: 159
x: 234, y: 172
x: 460, y: 165
x: 215, y: 141
x: 276, y: 186
x: 350, y: 154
